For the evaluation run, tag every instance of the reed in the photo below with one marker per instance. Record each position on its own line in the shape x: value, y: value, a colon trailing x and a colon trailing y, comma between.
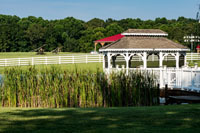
x: 56, y: 87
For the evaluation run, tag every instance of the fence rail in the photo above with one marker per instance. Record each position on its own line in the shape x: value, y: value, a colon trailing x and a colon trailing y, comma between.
x: 71, y: 59
x: 193, y: 57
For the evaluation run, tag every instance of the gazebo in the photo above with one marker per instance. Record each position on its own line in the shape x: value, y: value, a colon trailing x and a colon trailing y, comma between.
x: 142, y: 43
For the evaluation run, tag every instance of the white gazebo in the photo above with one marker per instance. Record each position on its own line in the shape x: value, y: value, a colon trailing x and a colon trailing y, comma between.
x: 142, y: 43
x: 146, y: 43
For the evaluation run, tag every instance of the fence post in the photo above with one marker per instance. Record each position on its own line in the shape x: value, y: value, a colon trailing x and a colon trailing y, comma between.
x: 152, y: 57
x: 192, y: 79
x: 59, y: 60
x: 86, y: 58
x: 182, y: 75
x: 73, y: 59
x: 99, y: 58
x: 19, y: 61
x: 32, y: 61
x: 46, y: 60
x: 5, y: 62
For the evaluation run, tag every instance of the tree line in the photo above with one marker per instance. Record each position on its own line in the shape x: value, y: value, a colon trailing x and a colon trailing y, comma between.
x: 74, y: 35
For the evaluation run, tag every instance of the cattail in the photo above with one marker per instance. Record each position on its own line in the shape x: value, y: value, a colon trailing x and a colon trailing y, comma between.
x: 58, y: 87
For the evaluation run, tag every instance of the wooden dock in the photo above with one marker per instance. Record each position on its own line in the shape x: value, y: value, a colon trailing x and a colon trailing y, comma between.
x: 179, y: 96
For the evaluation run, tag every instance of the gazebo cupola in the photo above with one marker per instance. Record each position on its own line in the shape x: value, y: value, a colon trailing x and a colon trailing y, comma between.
x: 143, y: 43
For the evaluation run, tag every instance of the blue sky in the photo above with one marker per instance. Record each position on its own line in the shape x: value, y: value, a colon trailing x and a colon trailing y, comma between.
x: 88, y: 9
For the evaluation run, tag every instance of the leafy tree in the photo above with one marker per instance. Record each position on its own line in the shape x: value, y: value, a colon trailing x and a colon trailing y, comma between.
x: 26, y: 34
x: 35, y: 34
x: 94, y: 23
x: 113, y: 29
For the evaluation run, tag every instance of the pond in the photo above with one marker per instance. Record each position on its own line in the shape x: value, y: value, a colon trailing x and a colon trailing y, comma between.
x: 1, y: 79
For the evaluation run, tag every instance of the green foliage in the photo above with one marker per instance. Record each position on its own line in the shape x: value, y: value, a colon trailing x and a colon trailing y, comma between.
x: 94, y: 23
x: 113, y: 29
x: 55, y: 87
x: 25, y: 34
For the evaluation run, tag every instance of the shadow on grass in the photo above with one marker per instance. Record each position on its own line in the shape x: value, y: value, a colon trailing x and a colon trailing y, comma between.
x: 139, y: 119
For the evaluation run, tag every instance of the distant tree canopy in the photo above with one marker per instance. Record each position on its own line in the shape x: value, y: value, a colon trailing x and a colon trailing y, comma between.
x: 73, y: 35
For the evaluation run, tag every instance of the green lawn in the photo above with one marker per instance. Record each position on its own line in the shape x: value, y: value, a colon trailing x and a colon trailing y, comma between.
x: 173, y: 118
x: 4, y: 55
x: 91, y: 66
x: 192, y: 63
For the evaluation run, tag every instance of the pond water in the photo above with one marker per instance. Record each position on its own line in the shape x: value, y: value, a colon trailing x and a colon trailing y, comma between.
x: 0, y: 78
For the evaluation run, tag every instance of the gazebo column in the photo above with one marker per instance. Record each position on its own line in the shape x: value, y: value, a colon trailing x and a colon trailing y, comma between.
x: 109, y: 60
x: 177, y: 60
x: 160, y: 59
x: 127, y: 58
x: 144, y: 58
x: 95, y: 46
x: 185, y: 60
x: 104, y: 61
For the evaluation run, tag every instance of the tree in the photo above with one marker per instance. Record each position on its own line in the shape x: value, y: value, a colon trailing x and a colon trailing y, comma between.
x: 94, y: 23
x: 35, y: 34
x: 113, y: 29
x: 26, y: 34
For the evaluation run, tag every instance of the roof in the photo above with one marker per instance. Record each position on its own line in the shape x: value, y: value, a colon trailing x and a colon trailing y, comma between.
x: 141, y: 43
x: 145, y: 32
x: 111, y: 38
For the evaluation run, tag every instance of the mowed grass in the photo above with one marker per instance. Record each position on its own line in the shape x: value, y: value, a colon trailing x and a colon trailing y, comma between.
x: 192, y: 63
x: 4, y: 55
x: 173, y: 118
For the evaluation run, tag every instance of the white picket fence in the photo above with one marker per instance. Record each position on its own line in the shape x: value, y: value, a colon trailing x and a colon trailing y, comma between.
x: 85, y: 58
x: 193, y: 57
x: 69, y: 59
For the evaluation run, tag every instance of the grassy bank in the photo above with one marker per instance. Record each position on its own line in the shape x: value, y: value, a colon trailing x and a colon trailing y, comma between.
x: 165, y: 119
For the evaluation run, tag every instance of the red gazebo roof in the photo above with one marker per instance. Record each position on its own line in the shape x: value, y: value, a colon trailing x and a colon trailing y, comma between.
x: 198, y: 46
x: 111, y: 38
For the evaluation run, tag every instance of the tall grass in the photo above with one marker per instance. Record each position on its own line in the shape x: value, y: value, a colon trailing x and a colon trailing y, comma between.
x: 55, y: 87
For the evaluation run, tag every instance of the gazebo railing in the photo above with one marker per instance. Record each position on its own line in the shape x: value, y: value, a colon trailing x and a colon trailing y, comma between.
x: 184, y: 78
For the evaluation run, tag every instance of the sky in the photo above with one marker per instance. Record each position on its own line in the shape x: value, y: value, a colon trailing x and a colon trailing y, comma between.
x: 103, y: 9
